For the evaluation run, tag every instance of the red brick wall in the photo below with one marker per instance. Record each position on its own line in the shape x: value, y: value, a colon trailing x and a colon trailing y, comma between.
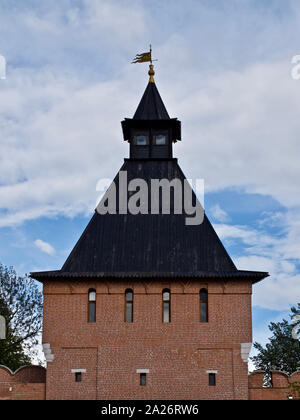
x: 28, y: 392
x: 280, y: 386
x: 177, y: 354
x: 27, y: 383
x: 61, y: 381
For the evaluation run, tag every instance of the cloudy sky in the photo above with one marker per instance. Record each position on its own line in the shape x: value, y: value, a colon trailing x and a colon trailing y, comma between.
x: 224, y: 69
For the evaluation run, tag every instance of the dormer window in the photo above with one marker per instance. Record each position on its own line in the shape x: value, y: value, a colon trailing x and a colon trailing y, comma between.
x: 141, y: 140
x: 160, y: 139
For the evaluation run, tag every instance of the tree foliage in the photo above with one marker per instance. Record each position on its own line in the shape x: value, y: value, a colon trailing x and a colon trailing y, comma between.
x: 21, y: 306
x: 294, y: 391
x: 282, y: 352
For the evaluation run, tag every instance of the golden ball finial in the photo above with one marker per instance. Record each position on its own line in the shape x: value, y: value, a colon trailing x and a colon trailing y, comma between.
x: 151, y: 73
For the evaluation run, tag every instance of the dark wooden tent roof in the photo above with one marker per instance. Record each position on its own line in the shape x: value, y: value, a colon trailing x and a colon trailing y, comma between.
x: 151, y: 106
x: 149, y: 245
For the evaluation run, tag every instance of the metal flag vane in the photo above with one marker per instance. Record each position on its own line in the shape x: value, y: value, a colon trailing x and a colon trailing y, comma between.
x: 143, y: 58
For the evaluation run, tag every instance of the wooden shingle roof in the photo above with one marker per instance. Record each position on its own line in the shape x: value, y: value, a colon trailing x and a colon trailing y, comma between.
x: 150, y: 245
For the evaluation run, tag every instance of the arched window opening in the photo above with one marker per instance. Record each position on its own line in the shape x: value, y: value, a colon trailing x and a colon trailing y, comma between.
x: 203, y: 305
x: 166, y: 297
x: 92, y: 306
x: 129, y: 305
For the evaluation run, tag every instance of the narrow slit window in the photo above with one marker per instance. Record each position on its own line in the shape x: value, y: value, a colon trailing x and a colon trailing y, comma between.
x: 92, y: 306
x: 212, y: 379
x: 78, y: 377
x: 143, y: 379
x: 203, y: 305
x: 129, y: 305
x: 166, y: 306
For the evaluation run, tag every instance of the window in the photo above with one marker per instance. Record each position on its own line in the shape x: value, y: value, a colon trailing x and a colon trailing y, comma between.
x: 78, y: 377
x: 160, y: 139
x: 143, y: 379
x: 140, y: 140
x: 203, y: 305
x: 92, y: 306
x: 129, y: 305
x: 166, y: 296
x: 212, y: 379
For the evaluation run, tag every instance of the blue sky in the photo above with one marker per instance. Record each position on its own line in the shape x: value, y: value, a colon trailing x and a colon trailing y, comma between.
x: 224, y: 70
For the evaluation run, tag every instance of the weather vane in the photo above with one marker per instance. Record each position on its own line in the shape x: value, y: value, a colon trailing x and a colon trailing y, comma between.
x: 143, y: 58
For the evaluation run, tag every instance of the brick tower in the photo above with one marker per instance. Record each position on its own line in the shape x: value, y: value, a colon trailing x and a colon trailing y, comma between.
x: 147, y: 305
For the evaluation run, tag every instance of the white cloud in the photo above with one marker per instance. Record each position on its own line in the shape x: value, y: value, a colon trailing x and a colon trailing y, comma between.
x: 277, y: 255
x: 219, y: 214
x: 248, y: 138
x: 278, y: 292
x: 60, y: 146
x: 250, y: 237
x: 124, y: 20
x: 44, y: 246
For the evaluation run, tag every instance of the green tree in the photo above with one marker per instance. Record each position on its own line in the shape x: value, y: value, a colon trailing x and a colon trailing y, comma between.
x: 21, y: 306
x: 282, y: 352
x: 294, y: 391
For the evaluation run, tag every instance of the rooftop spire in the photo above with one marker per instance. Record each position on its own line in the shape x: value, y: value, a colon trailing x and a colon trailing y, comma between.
x: 151, y: 106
